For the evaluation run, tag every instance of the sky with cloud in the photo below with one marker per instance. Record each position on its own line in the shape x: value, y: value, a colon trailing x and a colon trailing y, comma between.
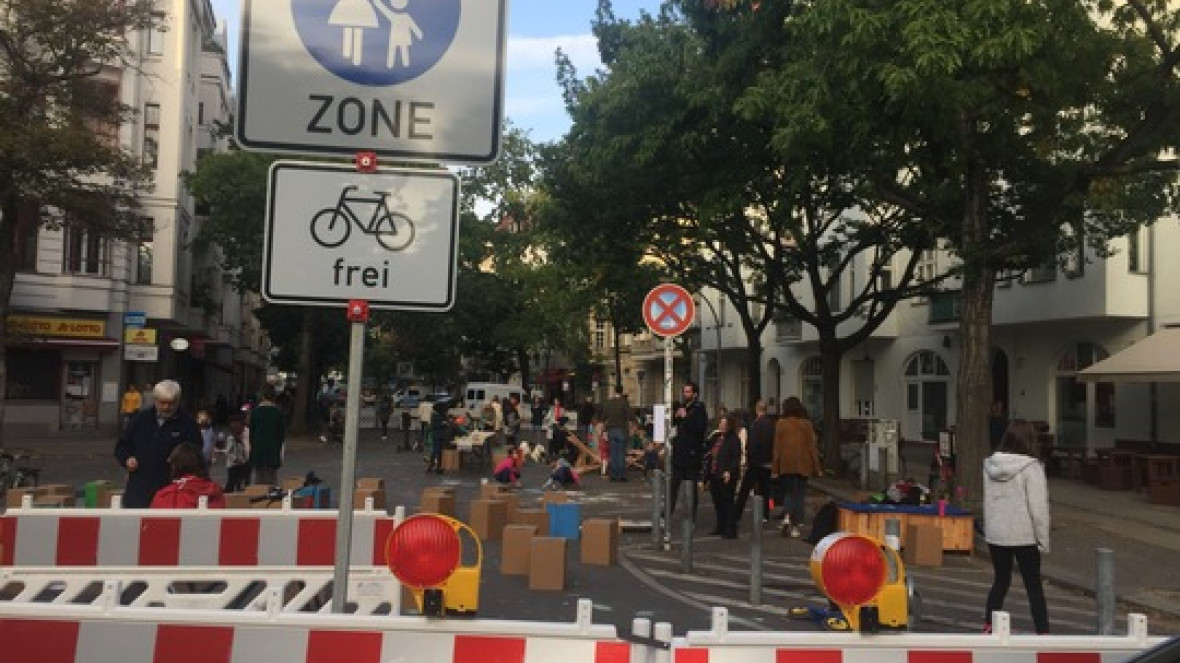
x: 536, y: 29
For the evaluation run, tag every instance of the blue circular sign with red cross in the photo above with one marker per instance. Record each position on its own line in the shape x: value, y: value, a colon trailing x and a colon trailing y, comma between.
x: 377, y: 42
x: 668, y: 310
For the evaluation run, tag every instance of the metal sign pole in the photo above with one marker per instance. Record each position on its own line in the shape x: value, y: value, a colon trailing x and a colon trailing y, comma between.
x: 358, y: 314
x: 667, y: 442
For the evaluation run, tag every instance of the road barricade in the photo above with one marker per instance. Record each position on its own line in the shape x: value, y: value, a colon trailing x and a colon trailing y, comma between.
x: 720, y: 645
x: 187, y: 537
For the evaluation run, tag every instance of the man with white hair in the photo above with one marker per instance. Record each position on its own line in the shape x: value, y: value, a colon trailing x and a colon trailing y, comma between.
x: 147, y: 441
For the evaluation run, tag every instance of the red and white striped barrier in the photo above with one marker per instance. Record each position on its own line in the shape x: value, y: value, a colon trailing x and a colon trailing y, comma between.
x: 1001, y: 646
x: 186, y: 537
x: 65, y: 634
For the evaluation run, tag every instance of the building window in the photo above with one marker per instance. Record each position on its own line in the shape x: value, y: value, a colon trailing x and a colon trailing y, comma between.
x: 927, y: 267
x: 151, y: 134
x: 33, y: 375
x: 24, y: 245
x: 927, y: 384
x: 811, y: 392
x: 1136, y: 253
x: 885, y: 278
x: 101, y: 94
x: 599, y: 334
x: 945, y: 306
x: 86, y: 251
x: 143, y: 257
x: 1043, y: 274
x: 787, y: 327
x: 201, y: 113
x: 155, y: 45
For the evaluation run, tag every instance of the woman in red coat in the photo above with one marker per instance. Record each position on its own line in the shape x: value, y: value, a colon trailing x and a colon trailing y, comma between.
x: 190, y: 481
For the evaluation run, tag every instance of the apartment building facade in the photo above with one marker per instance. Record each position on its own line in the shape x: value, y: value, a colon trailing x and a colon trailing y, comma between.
x: 1048, y: 324
x: 96, y: 314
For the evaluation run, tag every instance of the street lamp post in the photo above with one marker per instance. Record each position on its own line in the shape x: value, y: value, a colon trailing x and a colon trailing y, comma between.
x: 717, y: 353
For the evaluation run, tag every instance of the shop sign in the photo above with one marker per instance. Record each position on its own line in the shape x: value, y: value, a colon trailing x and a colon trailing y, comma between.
x: 141, y: 352
x: 46, y: 326
x: 139, y: 336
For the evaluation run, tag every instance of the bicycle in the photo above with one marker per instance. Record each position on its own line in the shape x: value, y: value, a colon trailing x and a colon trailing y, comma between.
x: 331, y: 226
x: 14, y: 476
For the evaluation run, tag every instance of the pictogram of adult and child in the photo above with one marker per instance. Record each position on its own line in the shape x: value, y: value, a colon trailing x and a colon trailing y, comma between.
x: 357, y: 16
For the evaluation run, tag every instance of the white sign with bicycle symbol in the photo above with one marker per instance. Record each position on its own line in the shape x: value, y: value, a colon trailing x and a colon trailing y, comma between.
x: 333, y: 234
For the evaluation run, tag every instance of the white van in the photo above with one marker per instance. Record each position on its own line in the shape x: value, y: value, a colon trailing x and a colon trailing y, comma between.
x: 476, y: 394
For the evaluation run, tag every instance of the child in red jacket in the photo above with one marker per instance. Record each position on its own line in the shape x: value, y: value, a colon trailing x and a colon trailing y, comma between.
x: 508, y: 471
x: 190, y: 481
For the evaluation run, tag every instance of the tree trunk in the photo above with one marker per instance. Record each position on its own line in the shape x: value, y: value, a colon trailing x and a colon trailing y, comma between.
x: 973, y: 393
x: 7, y: 280
x: 300, y: 419
x: 831, y: 355
x: 753, y: 370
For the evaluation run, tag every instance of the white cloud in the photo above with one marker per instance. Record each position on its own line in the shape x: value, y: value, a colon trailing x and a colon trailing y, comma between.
x: 531, y: 53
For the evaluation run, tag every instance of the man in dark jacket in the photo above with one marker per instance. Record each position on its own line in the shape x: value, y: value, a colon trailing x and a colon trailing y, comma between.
x: 759, y: 447
x: 688, y: 447
x: 148, y: 440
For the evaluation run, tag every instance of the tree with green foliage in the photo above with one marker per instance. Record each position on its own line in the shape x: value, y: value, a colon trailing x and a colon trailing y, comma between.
x: 1017, y: 131
x: 61, y: 164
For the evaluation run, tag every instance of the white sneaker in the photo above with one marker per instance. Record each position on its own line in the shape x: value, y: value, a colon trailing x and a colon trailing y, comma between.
x: 795, y: 532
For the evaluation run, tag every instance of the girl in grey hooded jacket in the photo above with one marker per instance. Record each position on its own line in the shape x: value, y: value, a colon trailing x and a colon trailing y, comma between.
x: 1016, y: 519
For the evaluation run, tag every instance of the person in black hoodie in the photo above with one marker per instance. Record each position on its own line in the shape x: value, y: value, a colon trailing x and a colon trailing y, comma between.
x: 147, y: 441
x: 688, y: 446
x: 759, y: 446
x: 725, y: 463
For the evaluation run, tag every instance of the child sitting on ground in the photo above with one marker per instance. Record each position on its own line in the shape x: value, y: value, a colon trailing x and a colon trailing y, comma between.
x: 508, y: 471
x: 563, y: 476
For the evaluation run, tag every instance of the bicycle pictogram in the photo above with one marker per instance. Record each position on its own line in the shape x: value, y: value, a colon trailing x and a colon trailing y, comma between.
x: 331, y: 226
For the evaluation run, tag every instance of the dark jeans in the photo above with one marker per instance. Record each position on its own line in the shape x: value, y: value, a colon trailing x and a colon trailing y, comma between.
x: 794, y: 492
x: 617, y: 439
x: 757, y: 478
x: 1029, y: 560
x: 237, y: 478
x: 691, y: 475
x: 723, y: 505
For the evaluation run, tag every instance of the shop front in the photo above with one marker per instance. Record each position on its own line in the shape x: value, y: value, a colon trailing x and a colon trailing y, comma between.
x: 62, y: 374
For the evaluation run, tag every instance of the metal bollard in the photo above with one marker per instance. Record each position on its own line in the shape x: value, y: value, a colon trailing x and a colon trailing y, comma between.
x: 756, y: 553
x: 686, y: 529
x: 657, y: 532
x: 1104, y: 590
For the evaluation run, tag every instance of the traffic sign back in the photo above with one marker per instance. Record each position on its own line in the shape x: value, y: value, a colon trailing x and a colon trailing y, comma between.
x: 668, y: 310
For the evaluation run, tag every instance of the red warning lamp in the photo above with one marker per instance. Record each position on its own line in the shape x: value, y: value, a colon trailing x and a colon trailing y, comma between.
x: 358, y: 310
x: 424, y: 551
x: 851, y: 569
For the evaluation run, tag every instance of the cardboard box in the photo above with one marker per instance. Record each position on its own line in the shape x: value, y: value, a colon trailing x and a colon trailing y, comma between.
x: 554, y: 497
x: 492, y: 490
x: 516, y: 549
x: 58, y: 489
x: 237, y: 501
x: 370, y: 483
x: 538, y: 518
x: 513, y: 502
x: 923, y: 545
x: 547, y: 563
x: 15, y: 495
x: 257, y: 490
x: 450, y: 459
x: 437, y: 501
x: 488, y: 518
x: 600, y: 541
x: 291, y: 483
x: 361, y: 494
x: 53, y: 502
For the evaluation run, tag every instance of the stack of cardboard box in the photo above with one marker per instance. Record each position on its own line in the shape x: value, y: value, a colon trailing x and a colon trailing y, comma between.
x: 370, y: 487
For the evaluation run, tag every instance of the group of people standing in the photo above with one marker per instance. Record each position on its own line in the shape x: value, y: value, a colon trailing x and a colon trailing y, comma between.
x: 167, y: 452
x: 778, y: 455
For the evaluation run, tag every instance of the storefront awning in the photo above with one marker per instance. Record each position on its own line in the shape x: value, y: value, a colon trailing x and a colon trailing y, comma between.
x: 104, y: 343
x: 1154, y: 359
